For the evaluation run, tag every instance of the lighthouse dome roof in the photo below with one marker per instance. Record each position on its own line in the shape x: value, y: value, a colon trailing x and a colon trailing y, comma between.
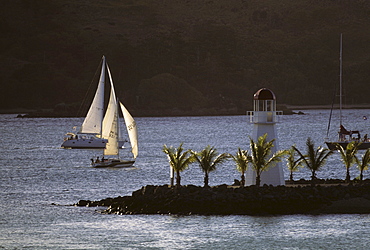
x: 264, y: 94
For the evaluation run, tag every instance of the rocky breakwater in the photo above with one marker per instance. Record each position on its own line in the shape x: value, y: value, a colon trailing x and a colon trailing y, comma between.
x: 228, y: 200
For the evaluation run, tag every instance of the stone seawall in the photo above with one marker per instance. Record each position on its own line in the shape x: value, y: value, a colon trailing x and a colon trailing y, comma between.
x: 228, y: 200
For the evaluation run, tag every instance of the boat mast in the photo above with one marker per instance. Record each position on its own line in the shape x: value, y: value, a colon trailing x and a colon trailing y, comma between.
x: 101, y: 122
x: 117, y: 128
x: 340, y: 81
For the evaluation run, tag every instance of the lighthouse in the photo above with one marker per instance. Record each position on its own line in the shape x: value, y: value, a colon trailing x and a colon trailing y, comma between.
x: 264, y: 117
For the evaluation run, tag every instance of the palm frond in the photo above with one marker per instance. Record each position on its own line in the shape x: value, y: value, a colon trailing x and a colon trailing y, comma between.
x: 241, y: 159
x: 208, y: 158
x: 364, y: 163
x: 178, y: 158
x: 292, y: 163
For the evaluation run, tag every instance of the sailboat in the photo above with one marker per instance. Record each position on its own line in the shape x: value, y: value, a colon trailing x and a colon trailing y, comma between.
x: 93, y: 133
x: 346, y: 136
x: 111, y: 126
x: 111, y: 152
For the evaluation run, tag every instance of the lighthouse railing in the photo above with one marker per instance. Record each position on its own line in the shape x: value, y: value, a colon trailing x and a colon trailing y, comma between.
x: 264, y: 116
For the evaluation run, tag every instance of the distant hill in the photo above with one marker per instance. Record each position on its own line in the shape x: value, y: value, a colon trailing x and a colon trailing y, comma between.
x: 216, y: 54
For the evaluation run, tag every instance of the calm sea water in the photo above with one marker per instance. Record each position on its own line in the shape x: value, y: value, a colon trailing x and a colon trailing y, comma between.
x: 36, y: 174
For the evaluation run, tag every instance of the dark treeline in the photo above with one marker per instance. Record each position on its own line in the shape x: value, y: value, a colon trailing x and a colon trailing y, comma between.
x: 187, y: 56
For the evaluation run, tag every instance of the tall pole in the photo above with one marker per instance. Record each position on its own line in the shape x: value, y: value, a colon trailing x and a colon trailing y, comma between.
x: 172, y: 176
x: 340, y: 81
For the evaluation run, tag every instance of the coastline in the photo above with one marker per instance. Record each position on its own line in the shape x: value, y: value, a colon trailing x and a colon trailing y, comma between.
x: 328, y: 106
x: 327, y: 198
x: 286, y: 108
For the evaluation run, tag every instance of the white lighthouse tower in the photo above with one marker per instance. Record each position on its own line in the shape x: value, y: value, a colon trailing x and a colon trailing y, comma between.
x: 264, y: 117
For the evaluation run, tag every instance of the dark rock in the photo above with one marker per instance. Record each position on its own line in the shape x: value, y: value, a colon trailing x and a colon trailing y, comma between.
x: 236, y: 183
x: 225, y: 200
x: 83, y: 203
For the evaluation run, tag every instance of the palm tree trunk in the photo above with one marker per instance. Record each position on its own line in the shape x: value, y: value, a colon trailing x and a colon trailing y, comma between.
x: 348, y: 178
x: 258, y: 180
x: 206, y: 180
x: 313, y: 178
x: 178, y: 179
x: 242, y: 181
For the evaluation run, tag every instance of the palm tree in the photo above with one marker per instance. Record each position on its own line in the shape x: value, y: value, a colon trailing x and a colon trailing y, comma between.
x: 348, y: 156
x: 364, y: 163
x: 208, y: 160
x: 178, y: 160
x: 241, y: 159
x: 292, y: 163
x: 315, y: 159
x: 260, y: 151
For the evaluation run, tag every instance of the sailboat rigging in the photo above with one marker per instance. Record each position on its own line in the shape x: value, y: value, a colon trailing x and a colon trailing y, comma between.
x: 345, y: 136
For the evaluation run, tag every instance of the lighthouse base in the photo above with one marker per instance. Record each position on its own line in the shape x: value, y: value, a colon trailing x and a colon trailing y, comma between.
x: 274, y: 175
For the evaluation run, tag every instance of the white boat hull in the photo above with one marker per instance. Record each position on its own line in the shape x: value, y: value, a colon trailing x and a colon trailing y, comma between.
x: 113, y: 163
x: 97, y: 143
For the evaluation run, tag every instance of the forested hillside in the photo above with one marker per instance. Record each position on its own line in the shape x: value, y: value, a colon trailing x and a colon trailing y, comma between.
x: 182, y: 56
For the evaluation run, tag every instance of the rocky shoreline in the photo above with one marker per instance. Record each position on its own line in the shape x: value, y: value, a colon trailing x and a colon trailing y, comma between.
x: 232, y: 200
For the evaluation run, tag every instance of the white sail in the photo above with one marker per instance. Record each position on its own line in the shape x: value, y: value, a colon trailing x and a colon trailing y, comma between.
x: 111, y: 109
x: 112, y: 146
x: 93, y: 121
x: 131, y: 130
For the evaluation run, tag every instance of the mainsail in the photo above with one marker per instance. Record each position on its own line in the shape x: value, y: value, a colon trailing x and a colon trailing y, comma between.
x: 93, y: 121
x: 131, y: 130
x: 111, y: 109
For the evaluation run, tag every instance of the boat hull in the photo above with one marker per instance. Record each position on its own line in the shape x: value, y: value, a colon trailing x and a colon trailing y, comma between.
x: 332, y: 145
x: 114, y: 163
x: 96, y: 143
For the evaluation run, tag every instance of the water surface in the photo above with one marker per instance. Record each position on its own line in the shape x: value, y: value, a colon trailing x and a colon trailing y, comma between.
x: 36, y: 173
